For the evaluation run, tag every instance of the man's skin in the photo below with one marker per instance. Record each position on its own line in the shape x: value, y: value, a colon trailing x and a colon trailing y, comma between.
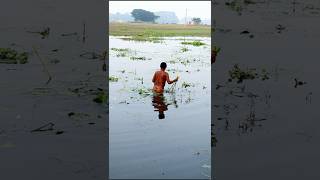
x: 159, y: 79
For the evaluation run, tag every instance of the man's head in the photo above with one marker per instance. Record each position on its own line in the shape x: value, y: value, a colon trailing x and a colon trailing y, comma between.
x: 163, y: 65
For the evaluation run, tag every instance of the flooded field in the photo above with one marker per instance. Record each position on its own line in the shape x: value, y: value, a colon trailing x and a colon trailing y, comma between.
x: 159, y: 136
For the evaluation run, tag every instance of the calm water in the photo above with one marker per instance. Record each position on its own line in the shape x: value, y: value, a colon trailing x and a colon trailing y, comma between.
x: 160, y: 136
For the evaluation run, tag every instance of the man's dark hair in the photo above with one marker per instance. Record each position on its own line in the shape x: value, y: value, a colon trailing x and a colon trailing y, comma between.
x: 163, y: 65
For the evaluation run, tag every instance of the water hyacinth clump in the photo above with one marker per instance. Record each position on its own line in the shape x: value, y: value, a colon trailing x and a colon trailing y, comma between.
x: 186, y: 85
x: 121, y: 52
x: 143, y: 91
x: 138, y: 58
x: 11, y: 56
x: 113, y: 79
x: 242, y: 74
x: 101, y: 98
x: 194, y: 43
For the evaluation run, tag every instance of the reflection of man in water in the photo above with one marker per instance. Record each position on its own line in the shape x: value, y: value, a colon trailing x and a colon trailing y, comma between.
x: 160, y: 77
x: 159, y: 104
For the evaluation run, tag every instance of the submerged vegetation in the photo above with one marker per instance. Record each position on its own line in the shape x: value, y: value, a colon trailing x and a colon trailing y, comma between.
x: 11, y: 56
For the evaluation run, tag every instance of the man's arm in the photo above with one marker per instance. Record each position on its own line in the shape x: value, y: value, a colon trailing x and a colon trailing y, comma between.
x: 169, y: 81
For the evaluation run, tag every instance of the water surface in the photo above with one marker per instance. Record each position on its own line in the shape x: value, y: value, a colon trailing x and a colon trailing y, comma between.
x: 159, y: 136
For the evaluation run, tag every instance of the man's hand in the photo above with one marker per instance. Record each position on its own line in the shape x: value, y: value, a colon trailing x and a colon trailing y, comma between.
x: 176, y: 79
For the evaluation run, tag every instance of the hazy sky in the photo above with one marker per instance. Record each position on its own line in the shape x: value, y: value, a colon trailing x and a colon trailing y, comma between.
x: 200, y: 9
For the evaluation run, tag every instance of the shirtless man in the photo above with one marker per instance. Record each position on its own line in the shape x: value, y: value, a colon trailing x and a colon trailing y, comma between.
x: 160, y: 77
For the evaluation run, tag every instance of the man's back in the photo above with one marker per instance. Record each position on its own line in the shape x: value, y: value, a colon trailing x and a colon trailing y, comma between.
x: 159, y: 80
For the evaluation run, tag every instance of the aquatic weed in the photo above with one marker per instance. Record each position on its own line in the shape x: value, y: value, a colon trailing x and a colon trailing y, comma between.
x: 101, y: 98
x: 194, y: 43
x: 11, y: 56
x: 241, y: 74
x: 186, y: 85
x: 138, y: 58
x: 113, y: 79
x: 184, y: 49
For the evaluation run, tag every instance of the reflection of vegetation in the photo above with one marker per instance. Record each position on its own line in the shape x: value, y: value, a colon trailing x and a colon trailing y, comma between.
x: 10, y: 56
x: 113, y: 79
x: 194, y: 43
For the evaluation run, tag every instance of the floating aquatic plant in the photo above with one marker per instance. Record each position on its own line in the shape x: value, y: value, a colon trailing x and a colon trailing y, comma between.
x: 143, y: 91
x: 11, y: 56
x: 120, y: 49
x: 138, y: 58
x: 194, y: 43
x: 184, y: 49
x: 44, y: 33
x: 113, y: 79
x: 101, y: 98
x: 185, y: 85
x: 143, y: 38
x: 216, y: 49
x: 241, y: 74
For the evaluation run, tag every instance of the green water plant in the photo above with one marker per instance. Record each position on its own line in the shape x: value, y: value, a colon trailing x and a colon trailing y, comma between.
x: 216, y: 49
x: 44, y: 33
x: 138, y: 58
x: 120, y: 49
x: 194, y: 43
x: 11, y: 56
x: 242, y: 74
x: 100, y: 98
x: 184, y: 49
x: 113, y: 79
x: 143, y: 38
x: 186, y: 85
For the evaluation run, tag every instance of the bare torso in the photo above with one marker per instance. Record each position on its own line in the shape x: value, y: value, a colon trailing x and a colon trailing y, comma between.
x: 159, y: 80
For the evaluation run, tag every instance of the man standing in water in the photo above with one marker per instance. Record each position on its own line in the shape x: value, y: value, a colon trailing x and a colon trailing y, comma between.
x: 160, y: 77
